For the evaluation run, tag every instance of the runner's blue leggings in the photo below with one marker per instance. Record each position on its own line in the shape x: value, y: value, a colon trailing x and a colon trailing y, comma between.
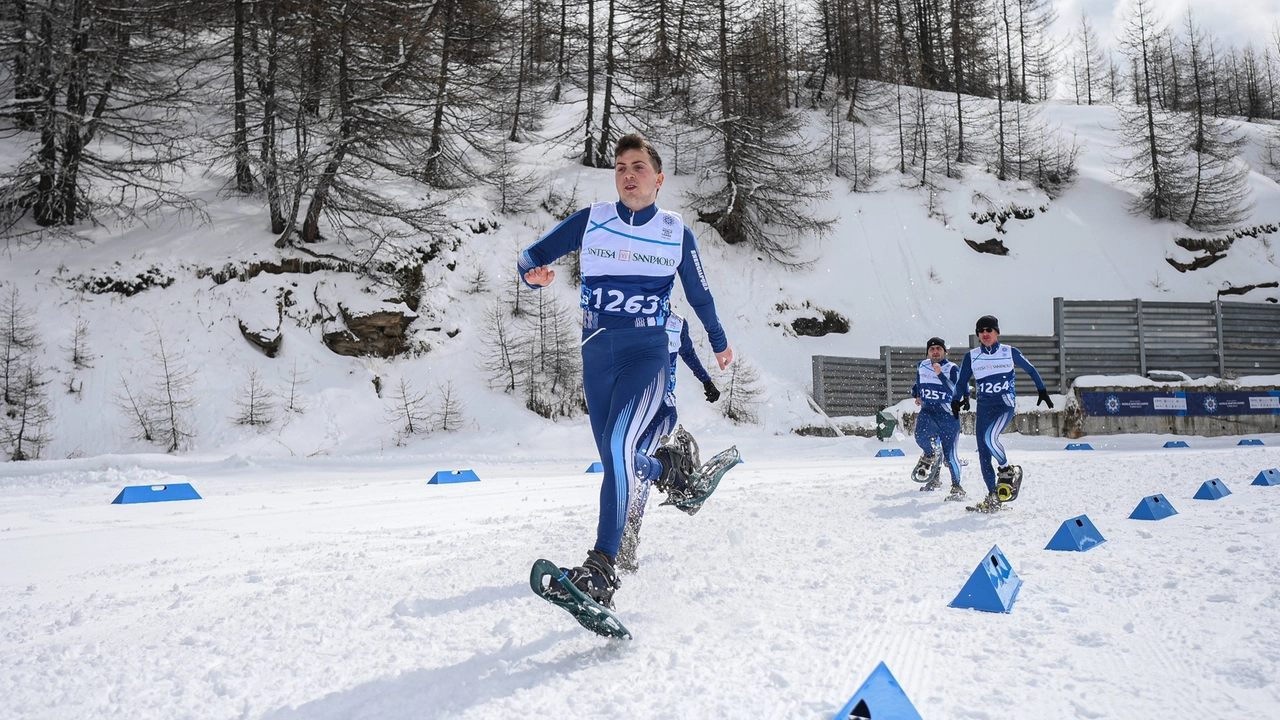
x: 624, y: 374
x: 938, y: 423
x: 662, y: 424
x: 993, y: 418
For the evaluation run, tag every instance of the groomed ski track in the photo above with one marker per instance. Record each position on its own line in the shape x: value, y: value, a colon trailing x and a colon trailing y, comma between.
x: 349, y: 588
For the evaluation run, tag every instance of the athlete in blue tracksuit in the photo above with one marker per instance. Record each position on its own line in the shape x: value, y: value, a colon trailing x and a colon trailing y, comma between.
x: 630, y: 253
x: 934, y: 390
x: 679, y: 345
x: 991, y: 366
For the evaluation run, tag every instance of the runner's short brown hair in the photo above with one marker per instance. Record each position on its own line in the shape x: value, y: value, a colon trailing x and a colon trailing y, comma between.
x: 636, y: 141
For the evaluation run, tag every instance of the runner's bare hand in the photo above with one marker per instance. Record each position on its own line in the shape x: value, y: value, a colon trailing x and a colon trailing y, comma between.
x: 540, y: 276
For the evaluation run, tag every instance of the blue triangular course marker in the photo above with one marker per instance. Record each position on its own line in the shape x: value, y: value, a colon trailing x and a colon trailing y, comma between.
x: 879, y: 697
x: 1213, y: 489
x: 1077, y: 534
x: 156, y: 493
x: 453, y: 476
x: 596, y: 466
x: 1155, y: 507
x: 1267, y: 477
x: 1176, y: 444
x: 992, y: 587
x: 888, y: 452
x: 1251, y: 441
x: 1079, y: 446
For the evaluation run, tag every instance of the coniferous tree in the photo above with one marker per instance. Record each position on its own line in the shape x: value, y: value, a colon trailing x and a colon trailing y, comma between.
x: 1219, y: 190
x: 756, y: 190
x: 1090, y: 65
x: 24, y: 425
x: 255, y: 402
x: 408, y: 411
x: 740, y: 392
x: 1151, y: 135
x: 108, y: 113
x: 448, y: 414
x: 292, y: 394
x: 19, y: 339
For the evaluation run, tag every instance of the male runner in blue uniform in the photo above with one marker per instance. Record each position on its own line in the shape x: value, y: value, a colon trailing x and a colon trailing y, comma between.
x: 991, y: 366
x: 679, y: 345
x: 934, y: 390
x: 630, y: 253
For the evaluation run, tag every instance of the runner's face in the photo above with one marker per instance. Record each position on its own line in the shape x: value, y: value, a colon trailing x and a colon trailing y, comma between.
x: 936, y: 353
x: 637, y: 181
x: 988, y: 337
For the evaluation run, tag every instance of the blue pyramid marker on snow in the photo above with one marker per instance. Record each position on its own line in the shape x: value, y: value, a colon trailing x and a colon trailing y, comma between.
x: 156, y: 493
x: 1267, y: 477
x: 596, y: 466
x: 1155, y: 507
x: 1176, y: 444
x: 1079, y: 446
x: 1078, y: 534
x: 445, y: 477
x: 1251, y: 441
x: 890, y: 452
x: 992, y: 587
x: 1213, y: 489
x: 879, y: 697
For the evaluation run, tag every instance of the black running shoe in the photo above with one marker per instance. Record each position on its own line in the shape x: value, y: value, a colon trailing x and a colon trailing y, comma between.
x: 595, y: 577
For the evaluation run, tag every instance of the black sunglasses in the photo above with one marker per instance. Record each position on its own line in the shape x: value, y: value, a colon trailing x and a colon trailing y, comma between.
x: 986, y: 329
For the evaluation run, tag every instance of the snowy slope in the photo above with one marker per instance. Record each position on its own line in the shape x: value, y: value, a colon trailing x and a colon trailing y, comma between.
x: 899, y: 275
x: 348, y: 588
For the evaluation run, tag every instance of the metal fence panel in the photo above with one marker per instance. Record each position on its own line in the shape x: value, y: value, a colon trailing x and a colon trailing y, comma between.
x: 848, y: 386
x: 1251, y: 338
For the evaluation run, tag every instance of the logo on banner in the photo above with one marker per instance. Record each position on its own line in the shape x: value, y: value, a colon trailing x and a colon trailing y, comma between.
x: 1112, y: 404
x: 1210, y: 404
x: 1169, y: 403
x: 1264, y: 402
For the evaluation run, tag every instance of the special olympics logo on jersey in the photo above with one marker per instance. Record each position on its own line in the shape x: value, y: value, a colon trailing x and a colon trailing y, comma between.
x: 1113, y: 404
x: 667, y: 219
x: 1211, y: 404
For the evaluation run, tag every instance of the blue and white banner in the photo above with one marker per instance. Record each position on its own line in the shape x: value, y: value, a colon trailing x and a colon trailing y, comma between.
x: 1137, y: 402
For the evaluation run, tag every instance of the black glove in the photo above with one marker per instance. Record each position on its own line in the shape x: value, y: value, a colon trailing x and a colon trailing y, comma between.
x: 955, y: 408
x: 713, y: 394
x: 1043, y: 397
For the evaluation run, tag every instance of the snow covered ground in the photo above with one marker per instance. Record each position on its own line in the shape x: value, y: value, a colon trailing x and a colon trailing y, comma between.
x: 346, y: 587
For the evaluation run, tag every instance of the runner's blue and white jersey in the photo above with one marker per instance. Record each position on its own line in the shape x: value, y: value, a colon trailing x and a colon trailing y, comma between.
x: 629, y: 262
x: 629, y: 269
x: 992, y: 371
x: 934, y: 390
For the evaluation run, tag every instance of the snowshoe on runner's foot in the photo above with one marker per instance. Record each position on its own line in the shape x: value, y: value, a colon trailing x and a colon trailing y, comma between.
x: 933, y: 484
x: 678, y: 453
x: 1009, y: 482
x: 595, y: 577
x: 703, y: 481
x: 991, y: 503
x: 957, y: 492
x: 551, y: 583
x: 926, y: 468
